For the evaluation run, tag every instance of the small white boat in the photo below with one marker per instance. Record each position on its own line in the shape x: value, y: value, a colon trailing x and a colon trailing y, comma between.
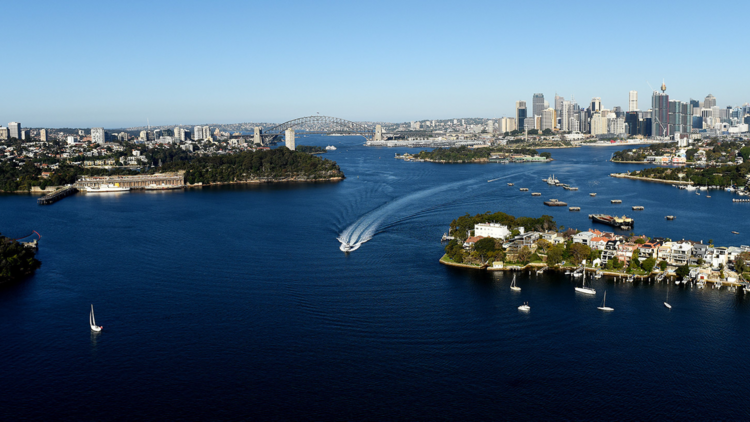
x: 331, y: 148
x: 677, y: 282
x: 513, y: 285
x: 604, y: 306
x: 92, y: 321
x: 106, y: 187
x: 666, y: 303
x: 525, y: 307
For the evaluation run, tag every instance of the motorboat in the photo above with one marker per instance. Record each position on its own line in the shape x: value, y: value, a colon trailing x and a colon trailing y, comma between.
x: 666, y: 302
x: 330, y: 148
x: 525, y: 307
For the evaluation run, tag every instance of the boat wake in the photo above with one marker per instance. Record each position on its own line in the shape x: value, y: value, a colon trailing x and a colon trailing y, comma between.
x: 367, y: 226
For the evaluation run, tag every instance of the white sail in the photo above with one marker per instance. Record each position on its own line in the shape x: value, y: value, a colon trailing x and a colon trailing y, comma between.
x: 92, y: 321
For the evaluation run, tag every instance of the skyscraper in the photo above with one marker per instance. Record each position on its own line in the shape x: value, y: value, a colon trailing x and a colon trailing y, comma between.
x: 596, y: 104
x: 538, y: 104
x: 520, y: 114
x: 709, y: 102
x: 660, y: 114
x: 43, y: 135
x: 15, y: 130
x: 198, y: 132
x: 633, y: 101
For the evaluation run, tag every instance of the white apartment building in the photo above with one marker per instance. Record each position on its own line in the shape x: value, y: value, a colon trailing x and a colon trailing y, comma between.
x: 493, y: 230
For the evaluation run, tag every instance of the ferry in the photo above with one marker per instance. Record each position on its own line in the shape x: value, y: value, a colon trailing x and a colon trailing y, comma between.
x: 330, y: 148
x: 623, y: 223
x: 106, y: 187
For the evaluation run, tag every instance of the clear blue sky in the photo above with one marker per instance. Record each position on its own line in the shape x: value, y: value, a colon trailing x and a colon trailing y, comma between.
x: 115, y: 64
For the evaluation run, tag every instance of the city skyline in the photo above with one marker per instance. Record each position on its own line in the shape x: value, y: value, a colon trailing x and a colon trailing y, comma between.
x: 364, y: 62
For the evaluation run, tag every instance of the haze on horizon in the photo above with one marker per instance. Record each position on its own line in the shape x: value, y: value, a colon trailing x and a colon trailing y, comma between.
x: 115, y: 65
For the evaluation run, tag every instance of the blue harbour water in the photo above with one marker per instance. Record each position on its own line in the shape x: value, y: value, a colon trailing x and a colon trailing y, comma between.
x: 235, y: 303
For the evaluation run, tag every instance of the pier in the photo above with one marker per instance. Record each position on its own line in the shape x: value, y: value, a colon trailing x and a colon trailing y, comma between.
x: 134, y: 182
x: 57, y: 195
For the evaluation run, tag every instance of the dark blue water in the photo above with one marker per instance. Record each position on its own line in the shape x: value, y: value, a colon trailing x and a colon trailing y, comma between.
x: 236, y: 303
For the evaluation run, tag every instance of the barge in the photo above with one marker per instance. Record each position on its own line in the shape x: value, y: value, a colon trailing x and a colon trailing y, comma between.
x: 555, y: 203
x: 622, y: 223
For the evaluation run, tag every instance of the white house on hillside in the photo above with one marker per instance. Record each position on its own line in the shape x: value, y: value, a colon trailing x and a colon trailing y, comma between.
x: 493, y: 230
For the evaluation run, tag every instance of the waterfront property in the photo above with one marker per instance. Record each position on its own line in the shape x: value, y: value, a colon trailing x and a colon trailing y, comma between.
x: 173, y: 180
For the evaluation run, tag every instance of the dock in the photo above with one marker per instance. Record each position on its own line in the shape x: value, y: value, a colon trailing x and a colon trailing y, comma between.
x: 555, y: 203
x: 57, y: 195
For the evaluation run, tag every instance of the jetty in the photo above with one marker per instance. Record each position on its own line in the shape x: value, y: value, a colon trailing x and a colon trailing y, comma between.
x: 555, y: 203
x: 57, y: 195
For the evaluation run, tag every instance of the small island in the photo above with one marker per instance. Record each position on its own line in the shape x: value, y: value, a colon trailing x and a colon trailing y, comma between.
x: 16, y: 261
x: 466, y: 154
x: 502, y: 242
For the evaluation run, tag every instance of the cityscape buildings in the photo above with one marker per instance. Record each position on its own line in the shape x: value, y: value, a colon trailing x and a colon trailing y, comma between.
x: 633, y: 101
x: 15, y: 130
x: 521, y: 114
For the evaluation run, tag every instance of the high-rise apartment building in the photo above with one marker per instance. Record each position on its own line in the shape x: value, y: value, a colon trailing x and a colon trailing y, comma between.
x: 633, y: 101
x: 4, y: 133
x: 521, y: 114
x: 198, y: 132
x: 289, y: 137
x: 97, y: 135
x: 709, y: 102
x: 15, y: 130
x: 207, y: 133
x: 507, y: 124
x: 598, y: 124
x: 43, y: 135
x: 549, y: 118
x: 538, y: 104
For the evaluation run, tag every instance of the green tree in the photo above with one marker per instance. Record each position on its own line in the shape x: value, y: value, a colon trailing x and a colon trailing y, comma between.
x: 648, y: 264
x: 524, y: 255
x: 554, y: 255
x: 683, y: 271
x: 663, y: 265
x: 579, y: 252
x: 485, y: 246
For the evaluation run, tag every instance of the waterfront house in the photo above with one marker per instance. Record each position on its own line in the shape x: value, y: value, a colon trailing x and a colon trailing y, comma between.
x: 625, y: 252
x: 469, y: 243
x: 664, y: 253
x: 699, y: 252
x: 648, y: 250
x: 598, y: 243
x: 681, y: 253
x: 610, y: 250
x: 493, y: 230
x: 554, y: 238
x: 583, y: 237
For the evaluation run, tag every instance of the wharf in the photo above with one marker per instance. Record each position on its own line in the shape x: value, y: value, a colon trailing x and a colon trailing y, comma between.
x: 57, y: 195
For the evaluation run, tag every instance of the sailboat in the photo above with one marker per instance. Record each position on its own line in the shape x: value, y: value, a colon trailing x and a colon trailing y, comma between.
x: 92, y: 321
x: 604, y: 306
x: 583, y: 288
x: 513, y: 285
x: 666, y: 303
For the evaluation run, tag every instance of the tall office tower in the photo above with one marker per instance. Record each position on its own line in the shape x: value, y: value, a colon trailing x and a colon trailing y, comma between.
x: 4, y: 133
x: 680, y: 117
x: 207, y: 133
x: 143, y: 136
x: 97, y: 135
x: 538, y: 104
x: 707, y: 118
x: 43, y: 135
x: 558, y: 106
x: 709, y: 102
x: 520, y: 114
x: 660, y: 114
x: 633, y: 101
x: 490, y: 126
x: 631, y: 119
x: 566, y: 114
x: 26, y: 135
x: 548, y: 118
x: 596, y: 104
x: 616, y: 126
x: 15, y: 130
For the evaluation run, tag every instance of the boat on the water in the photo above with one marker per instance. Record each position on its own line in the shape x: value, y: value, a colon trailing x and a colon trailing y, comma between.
x: 330, y: 148
x: 604, y: 306
x: 666, y: 302
x: 106, y: 187
x: 583, y: 289
x: 524, y: 307
x: 154, y: 186
x: 92, y: 321
x: 623, y: 223
x: 513, y: 285
x: 551, y: 180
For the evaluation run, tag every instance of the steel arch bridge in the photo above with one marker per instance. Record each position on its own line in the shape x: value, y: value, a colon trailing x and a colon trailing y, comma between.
x: 339, y: 127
